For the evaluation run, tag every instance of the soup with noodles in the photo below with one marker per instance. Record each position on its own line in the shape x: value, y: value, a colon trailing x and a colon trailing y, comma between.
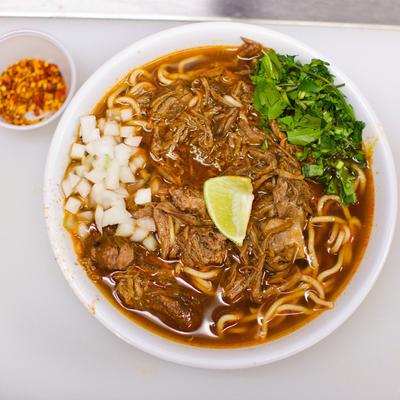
x: 142, y: 230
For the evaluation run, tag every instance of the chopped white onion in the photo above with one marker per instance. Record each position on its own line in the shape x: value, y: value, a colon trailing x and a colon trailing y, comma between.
x: 139, y: 234
x: 146, y: 223
x: 125, y: 174
x: 83, y: 188
x: 150, y: 243
x: 92, y: 136
x: 88, y: 161
x: 83, y: 231
x: 100, y: 124
x: 111, y: 128
x: 143, y: 196
x: 112, y: 177
x: 121, y: 191
x: 113, y: 114
x: 72, y: 205
x: 126, y: 114
x: 106, y: 198
x: 127, y: 131
x: 101, y: 147
x: 88, y: 125
x: 125, y: 229
x: 96, y: 175
x: 115, y: 215
x: 133, y: 141
x: 123, y: 153
x: 106, y: 165
x: 98, y: 218
x: 77, y: 151
x: 81, y: 170
x: 69, y: 183
x: 138, y: 162
x: 86, y: 216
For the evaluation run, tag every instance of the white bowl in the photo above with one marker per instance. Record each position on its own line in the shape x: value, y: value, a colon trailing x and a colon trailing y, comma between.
x: 224, y: 33
x: 25, y: 43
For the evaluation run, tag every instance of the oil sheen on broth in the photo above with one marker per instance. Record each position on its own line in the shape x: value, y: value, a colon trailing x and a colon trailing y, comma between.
x: 233, y: 304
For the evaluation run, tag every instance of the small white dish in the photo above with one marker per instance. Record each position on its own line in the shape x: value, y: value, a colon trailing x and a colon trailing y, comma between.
x: 26, y: 43
x: 145, y: 50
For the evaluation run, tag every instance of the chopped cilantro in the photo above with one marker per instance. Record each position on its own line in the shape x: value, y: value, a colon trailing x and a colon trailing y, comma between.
x: 315, y: 116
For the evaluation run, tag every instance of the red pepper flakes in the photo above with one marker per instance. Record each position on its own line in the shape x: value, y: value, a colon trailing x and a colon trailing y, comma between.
x: 30, y: 91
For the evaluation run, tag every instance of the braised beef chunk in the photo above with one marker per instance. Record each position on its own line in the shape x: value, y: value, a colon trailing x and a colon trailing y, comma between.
x: 202, y: 246
x: 189, y: 200
x: 166, y: 233
x: 287, y: 244
x: 235, y: 284
x: 159, y: 293
x: 250, y: 49
x: 109, y: 252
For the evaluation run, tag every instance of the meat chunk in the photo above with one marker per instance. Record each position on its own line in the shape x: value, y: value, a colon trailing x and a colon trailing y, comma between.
x: 188, y: 200
x: 292, y: 197
x: 109, y: 252
x: 166, y: 232
x: 287, y: 244
x: 250, y: 49
x: 160, y: 294
x: 202, y: 246
x: 235, y: 285
x: 169, y: 105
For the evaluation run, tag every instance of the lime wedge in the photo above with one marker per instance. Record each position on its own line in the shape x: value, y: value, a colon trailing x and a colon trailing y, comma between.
x: 228, y: 201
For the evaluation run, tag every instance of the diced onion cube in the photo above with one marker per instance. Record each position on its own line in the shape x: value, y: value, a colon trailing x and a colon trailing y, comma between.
x: 81, y: 170
x: 139, y: 234
x: 143, y: 196
x: 98, y: 218
x: 77, y: 151
x: 96, y: 175
x: 139, y: 161
x: 72, y: 205
x: 91, y: 136
x: 111, y: 128
x: 88, y: 125
x: 133, y: 141
x: 146, y: 223
x: 101, y: 147
x: 86, y: 216
x: 123, y: 153
x: 83, y: 230
x: 100, y: 124
x: 106, y: 198
x: 126, y: 114
x: 112, y: 177
x: 150, y: 243
x: 127, y: 131
x: 83, y: 188
x: 69, y: 183
x: 113, y: 113
x: 115, y: 215
x: 125, y: 175
x: 125, y: 229
x: 121, y: 191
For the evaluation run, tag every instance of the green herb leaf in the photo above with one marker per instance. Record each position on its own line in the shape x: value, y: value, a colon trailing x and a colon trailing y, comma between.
x: 314, y: 114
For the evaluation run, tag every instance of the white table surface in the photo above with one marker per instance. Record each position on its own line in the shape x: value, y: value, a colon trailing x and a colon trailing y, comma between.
x: 51, y: 347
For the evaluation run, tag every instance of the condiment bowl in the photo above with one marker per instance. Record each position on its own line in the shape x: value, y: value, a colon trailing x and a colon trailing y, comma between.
x: 21, y: 44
